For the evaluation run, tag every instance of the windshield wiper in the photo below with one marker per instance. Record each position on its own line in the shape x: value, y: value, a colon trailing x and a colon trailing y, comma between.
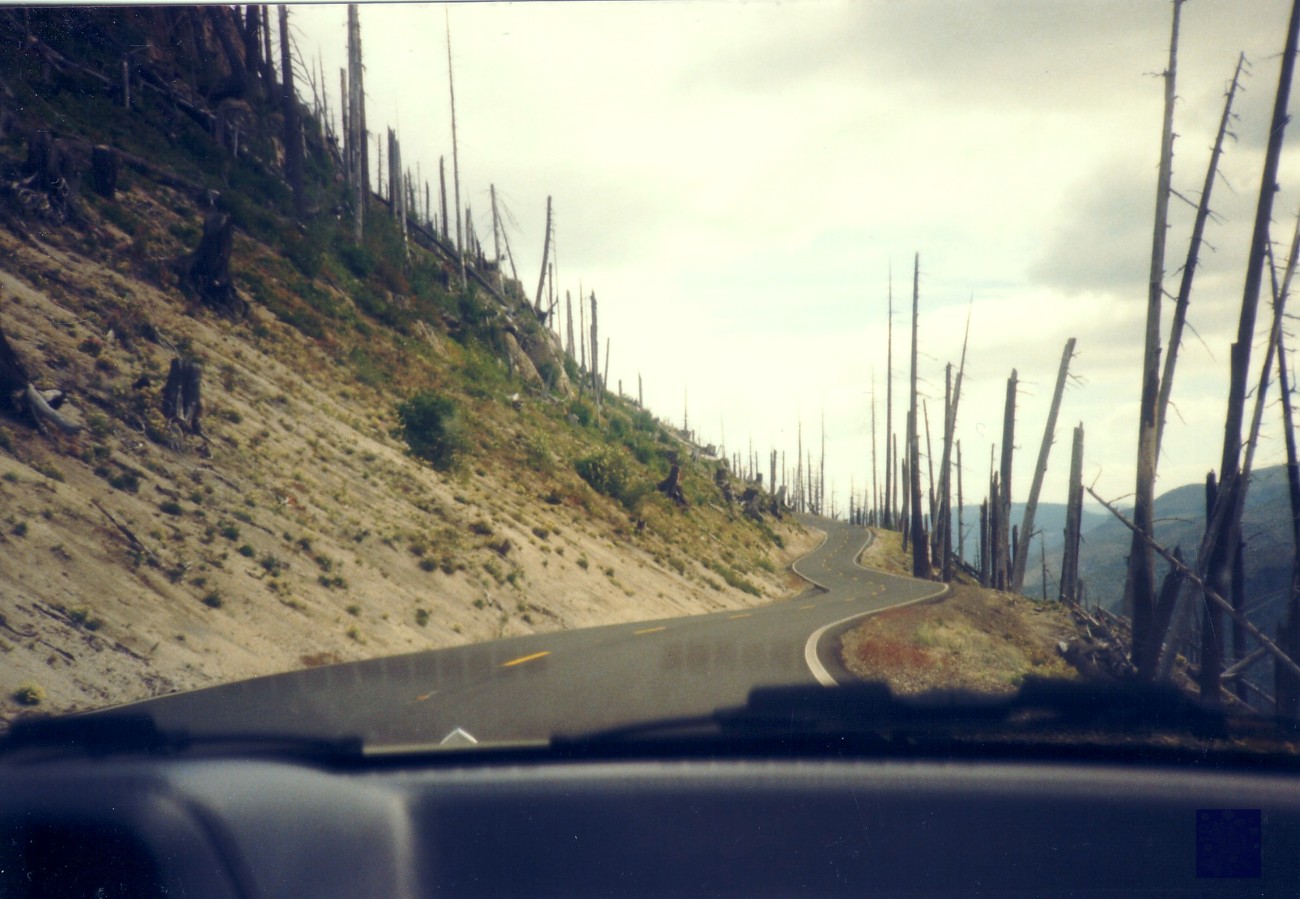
x: 129, y: 733
x: 869, y: 716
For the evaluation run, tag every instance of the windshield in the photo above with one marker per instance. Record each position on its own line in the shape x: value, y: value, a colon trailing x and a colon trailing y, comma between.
x: 473, y: 373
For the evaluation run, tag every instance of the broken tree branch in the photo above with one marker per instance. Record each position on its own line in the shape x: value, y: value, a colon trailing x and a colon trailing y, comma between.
x: 1212, y: 596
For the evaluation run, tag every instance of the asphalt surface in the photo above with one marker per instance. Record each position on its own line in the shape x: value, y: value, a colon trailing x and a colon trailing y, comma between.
x: 528, y: 688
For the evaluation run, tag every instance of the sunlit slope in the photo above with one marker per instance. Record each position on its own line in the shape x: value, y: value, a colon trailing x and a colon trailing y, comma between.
x: 297, y: 528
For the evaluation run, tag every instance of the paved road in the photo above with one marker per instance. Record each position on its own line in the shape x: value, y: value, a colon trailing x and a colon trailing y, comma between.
x: 530, y: 687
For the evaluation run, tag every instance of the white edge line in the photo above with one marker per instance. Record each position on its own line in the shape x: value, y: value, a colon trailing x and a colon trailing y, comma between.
x: 810, y: 658
x: 810, y: 648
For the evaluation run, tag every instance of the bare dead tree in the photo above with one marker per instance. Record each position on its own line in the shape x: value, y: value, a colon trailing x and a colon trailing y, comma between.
x: 1222, y: 533
x: 1139, y: 585
x: 455, y: 152
x: 546, y: 252
x: 568, y: 317
x: 1286, y: 687
x: 961, y: 514
x: 358, y: 155
x: 919, y: 541
x: 889, y: 520
x: 496, y: 253
x: 595, y: 355
x: 1040, y: 469
x: 951, y: 405
x: 442, y: 192
x: 1069, y: 592
x: 293, y: 150
x: 1001, y: 538
x: 1193, y: 256
x: 875, y: 496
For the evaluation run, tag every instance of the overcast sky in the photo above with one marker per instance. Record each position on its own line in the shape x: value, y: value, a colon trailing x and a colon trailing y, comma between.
x: 735, y: 181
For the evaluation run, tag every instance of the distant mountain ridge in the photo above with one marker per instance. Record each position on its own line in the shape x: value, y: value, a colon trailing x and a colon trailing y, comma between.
x: 1180, y: 522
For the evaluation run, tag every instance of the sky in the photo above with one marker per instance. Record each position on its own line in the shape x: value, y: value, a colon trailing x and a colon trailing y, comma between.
x: 742, y: 184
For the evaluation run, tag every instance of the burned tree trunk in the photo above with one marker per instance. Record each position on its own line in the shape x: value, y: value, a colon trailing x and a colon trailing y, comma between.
x: 48, y: 187
x: 891, y: 452
x: 671, y: 486
x: 985, y: 532
x: 208, y: 271
x: 1189, y: 267
x: 1040, y: 470
x: 103, y: 171
x: 595, y: 354
x: 1002, y: 562
x: 13, y: 381
x: 919, y: 541
x: 182, y: 400
x: 293, y: 150
x: 1223, y: 527
x: 1286, y: 685
x: 1139, y: 585
x: 1069, y: 592
x: 358, y: 155
x: 546, y: 255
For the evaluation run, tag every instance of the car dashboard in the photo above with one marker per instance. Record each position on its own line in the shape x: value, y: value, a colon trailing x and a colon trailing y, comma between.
x: 525, y: 822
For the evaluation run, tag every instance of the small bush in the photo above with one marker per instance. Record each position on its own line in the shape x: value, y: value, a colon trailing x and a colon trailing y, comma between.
x: 431, y: 426
x: 213, y: 600
x: 609, y: 471
x: 82, y: 617
x: 28, y: 694
x: 126, y: 481
x: 422, y: 617
x: 171, y: 507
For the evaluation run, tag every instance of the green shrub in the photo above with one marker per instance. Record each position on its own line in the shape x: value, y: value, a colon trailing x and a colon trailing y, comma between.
x: 28, y: 694
x: 610, y: 471
x: 431, y: 426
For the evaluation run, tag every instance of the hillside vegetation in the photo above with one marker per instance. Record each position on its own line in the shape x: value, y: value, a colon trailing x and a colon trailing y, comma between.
x: 298, y: 525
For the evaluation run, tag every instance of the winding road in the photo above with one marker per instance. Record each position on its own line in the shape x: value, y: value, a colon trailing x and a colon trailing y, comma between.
x: 527, y: 688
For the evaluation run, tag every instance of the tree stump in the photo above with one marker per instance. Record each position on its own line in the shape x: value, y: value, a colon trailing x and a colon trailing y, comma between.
x: 182, y: 395
x: 671, y: 486
x: 103, y: 171
x: 208, y: 272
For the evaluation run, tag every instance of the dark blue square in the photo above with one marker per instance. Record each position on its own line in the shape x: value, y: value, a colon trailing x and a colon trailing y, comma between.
x: 1229, y: 842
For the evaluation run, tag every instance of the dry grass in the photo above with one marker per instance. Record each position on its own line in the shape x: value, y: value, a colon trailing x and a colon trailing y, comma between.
x: 971, y: 639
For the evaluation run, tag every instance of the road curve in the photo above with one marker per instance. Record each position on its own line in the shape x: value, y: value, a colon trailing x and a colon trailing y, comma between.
x: 527, y: 688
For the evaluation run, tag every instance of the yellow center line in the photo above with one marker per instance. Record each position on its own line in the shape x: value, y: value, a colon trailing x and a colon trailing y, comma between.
x: 423, y: 697
x: 522, y: 659
x: 650, y: 630
x: 741, y: 615
x: 809, y: 606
